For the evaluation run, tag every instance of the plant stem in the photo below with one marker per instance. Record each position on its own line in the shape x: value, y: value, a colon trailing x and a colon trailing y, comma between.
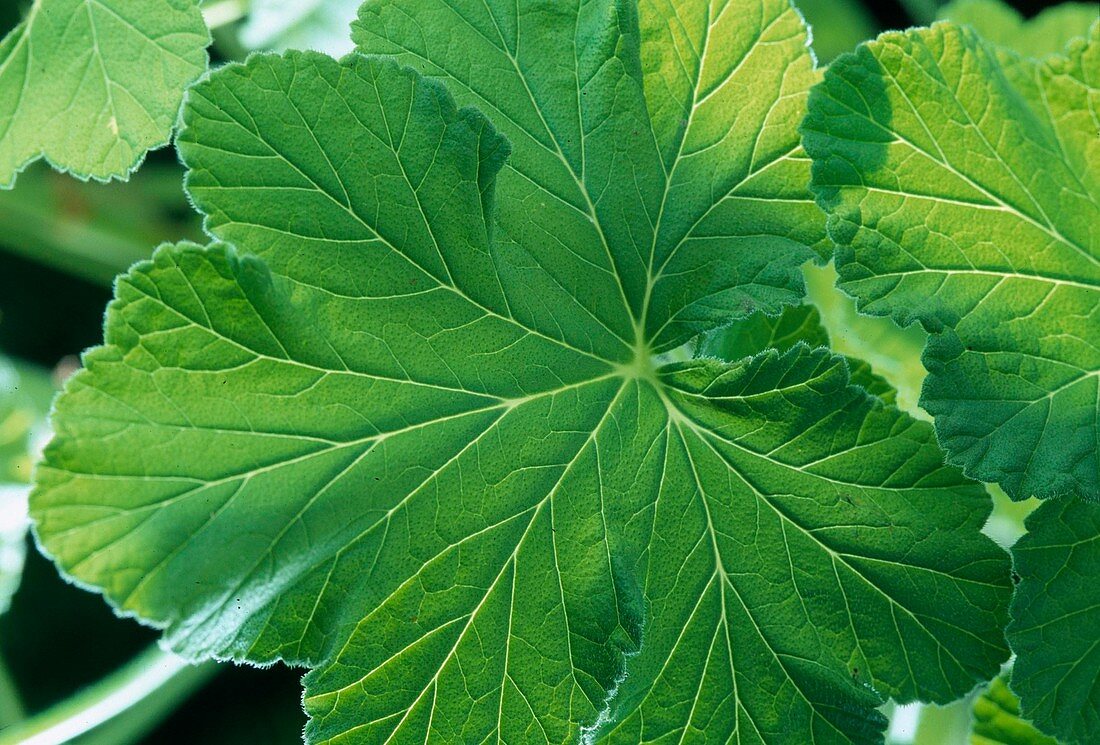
x: 121, y: 708
x: 11, y: 705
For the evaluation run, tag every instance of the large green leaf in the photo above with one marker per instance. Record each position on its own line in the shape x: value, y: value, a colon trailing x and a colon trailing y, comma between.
x: 406, y: 424
x: 963, y: 186
x: 92, y: 85
x: 1045, y: 34
x: 1055, y: 628
x: 321, y: 25
x: 714, y: 227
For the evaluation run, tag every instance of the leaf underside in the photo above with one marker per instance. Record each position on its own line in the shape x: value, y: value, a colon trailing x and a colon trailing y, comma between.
x: 92, y: 85
x: 402, y: 423
x: 963, y: 187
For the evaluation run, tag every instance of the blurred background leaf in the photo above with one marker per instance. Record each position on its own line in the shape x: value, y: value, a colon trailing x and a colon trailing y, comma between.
x: 1043, y: 35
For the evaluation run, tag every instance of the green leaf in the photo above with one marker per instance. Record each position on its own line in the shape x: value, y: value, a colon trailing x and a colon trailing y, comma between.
x: 760, y: 332
x: 797, y: 323
x: 712, y: 226
x: 963, y: 186
x: 1047, y: 33
x: 997, y: 719
x: 406, y: 425
x: 1056, y: 620
x: 321, y: 25
x: 92, y: 85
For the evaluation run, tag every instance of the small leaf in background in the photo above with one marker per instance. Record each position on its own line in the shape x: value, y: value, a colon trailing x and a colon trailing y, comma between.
x: 796, y: 324
x: 92, y: 85
x: 997, y: 719
x: 1055, y: 620
x: 924, y: 147
x: 321, y: 25
x: 407, y: 424
x: 1046, y: 34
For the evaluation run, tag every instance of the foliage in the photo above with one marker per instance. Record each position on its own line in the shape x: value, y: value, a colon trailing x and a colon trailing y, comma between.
x: 1048, y: 33
x: 924, y: 145
x: 434, y: 438
x: 797, y: 323
x: 1056, y: 620
x: 496, y: 400
x: 927, y: 148
x: 91, y: 85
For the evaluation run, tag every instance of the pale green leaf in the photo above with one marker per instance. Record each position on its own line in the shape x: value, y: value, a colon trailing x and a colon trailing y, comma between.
x: 797, y: 323
x: 997, y: 719
x: 1047, y: 33
x: 1055, y: 627
x: 405, y: 424
x: 92, y: 85
x: 963, y: 186
x: 321, y: 25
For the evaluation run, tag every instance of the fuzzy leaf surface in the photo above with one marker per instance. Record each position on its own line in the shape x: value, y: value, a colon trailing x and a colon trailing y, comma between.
x: 92, y: 85
x: 404, y: 424
x: 963, y: 186
x: 1055, y: 624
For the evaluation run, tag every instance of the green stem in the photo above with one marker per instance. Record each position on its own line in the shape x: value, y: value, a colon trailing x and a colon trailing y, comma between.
x: 121, y: 708
x: 72, y: 246
x: 11, y: 705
